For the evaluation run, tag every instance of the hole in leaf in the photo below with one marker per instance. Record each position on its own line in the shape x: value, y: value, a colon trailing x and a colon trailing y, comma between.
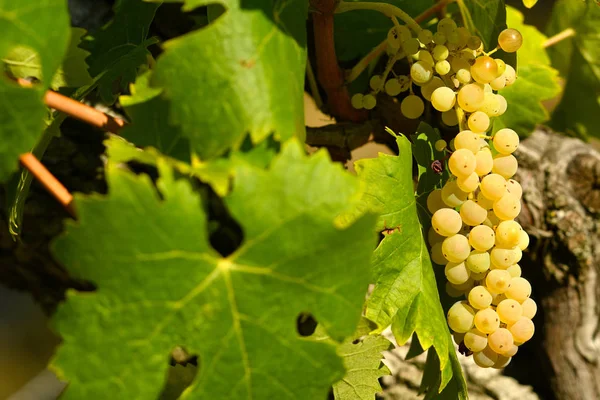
x: 356, y: 341
x: 306, y: 324
x: 181, y: 373
x: 225, y: 234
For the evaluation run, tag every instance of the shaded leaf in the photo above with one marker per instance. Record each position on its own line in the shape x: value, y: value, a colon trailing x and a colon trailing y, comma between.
x: 405, y: 293
x: 578, y: 59
x: 244, y: 73
x: 120, y: 48
x: 152, y: 263
x: 42, y: 26
x: 456, y: 389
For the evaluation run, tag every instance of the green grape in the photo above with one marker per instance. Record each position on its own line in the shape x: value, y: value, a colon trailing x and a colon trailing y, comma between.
x: 486, y: 320
x: 519, y: 289
x: 502, y: 361
x: 443, y: 99
x: 433, y: 237
x: 498, y: 280
x: 425, y: 56
x: 462, y: 162
x: 487, y: 88
x: 452, y: 196
x: 393, y: 87
x: 467, y: 140
x: 376, y: 82
x: 463, y: 76
x: 502, y: 105
x: 522, y: 330
x: 357, y: 101
x: 491, y: 105
x: 451, y: 144
x: 453, y: 38
x: 472, y: 213
x: 430, y: 86
x: 412, y: 106
x: 460, y: 317
x: 529, y: 308
x: 468, y: 184
x: 504, y: 257
x: 463, y: 34
x: 492, y: 221
x: 434, y: 201
x: 369, y: 101
x: 484, y: 161
x: 523, y: 240
x: 514, y: 187
x: 425, y: 36
x: 458, y: 63
x: 439, y: 38
x: 479, y: 122
x: 446, y: 222
x: 499, y: 83
x: 474, y: 43
x: 501, y: 65
x: 509, y: 311
x: 510, y: 40
x: 497, y: 298
x: 421, y: 72
x: 411, y: 46
x: 456, y: 248
x: 486, y: 358
x: 446, y: 26
x: 478, y: 276
x: 393, y: 38
x: 507, y: 207
x: 475, y: 340
x: 484, y: 202
x: 465, y: 287
x: 440, y: 53
x: 449, y: 118
x: 478, y: 262
x: 512, y: 351
x: 507, y: 234
x: 493, y: 186
x: 514, y: 270
x: 506, y: 141
x: 482, y: 238
x: 510, y: 75
x: 484, y: 70
x: 480, y: 298
x: 452, y: 291
x: 442, y: 67
x: 457, y: 273
x: 470, y: 97
x: 501, y: 340
x: 436, y: 254
x: 440, y: 145
x: 505, y: 165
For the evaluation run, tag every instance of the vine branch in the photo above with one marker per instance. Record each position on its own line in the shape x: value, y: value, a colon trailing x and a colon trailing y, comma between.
x: 385, y: 8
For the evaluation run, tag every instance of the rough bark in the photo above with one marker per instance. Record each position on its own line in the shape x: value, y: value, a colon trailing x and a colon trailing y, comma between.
x: 560, y: 177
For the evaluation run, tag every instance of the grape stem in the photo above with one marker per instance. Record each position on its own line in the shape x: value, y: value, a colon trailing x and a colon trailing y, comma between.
x: 355, y: 72
x: 390, y: 64
x: 551, y: 41
x: 314, y: 88
x: 387, y: 9
x: 437, y: 7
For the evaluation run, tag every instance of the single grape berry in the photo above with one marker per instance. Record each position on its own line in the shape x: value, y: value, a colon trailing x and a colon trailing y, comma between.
x: 510, y: 40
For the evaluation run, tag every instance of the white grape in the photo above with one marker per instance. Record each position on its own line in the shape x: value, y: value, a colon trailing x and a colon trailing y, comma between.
x: 456, y: 248
x: 475, y: 340
x: 498, y: 280
x: 462, y: 162
x: 506, y: 141
x: 369, y: 101
x: 449, y: 118
x: 505, y: 165
x: 460, y: 317
x: 472, y: 213
x: 493, y: 187
x: 522, y: 330
x: 478, y: 122
x: 357, y: 101
x: 500, y: 340
x: 510, y: 40
x: 412, y: 106
x: 482, y: 238
x: 487, y: 320
x: 430, y: 86
x: 470, y: 97
x: 480, y: 298
x: 486, y: 358
x: 466, y: 139
x: 529, y: 308
x: 442, y: 67
x: 507, y: 207
x: 376, y: 82
x: 421, y: 72
x: 393, y: 87
x: 425, y: 36
x: 509, y: 311
x: 519, y: 289
x: 457, y: 273
x: 446, y: 222
x: 443, y: 99
x: 452, y: 196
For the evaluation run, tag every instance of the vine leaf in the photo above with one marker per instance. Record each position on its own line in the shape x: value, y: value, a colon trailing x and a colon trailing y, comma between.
x: 150, y: 125
x: 456, y: 389
x: 362, y: 354
x: 486, y: 18
x: 405, y: 293
x: 244, y: 74
x: 161, y: 285
x: 120, y: 48
x: 23, y: 113
x: 358, y: 32
x: 578, y: 60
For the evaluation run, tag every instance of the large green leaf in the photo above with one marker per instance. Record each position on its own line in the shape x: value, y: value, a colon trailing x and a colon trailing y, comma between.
x: 578, y: 60
x: 42, y: 26
x: 456, y: 389
x: 486, y: 18
x: 358, y: 32
x: 405, y: 293
x: 161, y: 284
x: 242, y: 74
x: 362, y: 354
x: 120, y: 48
x: 150, y: 125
